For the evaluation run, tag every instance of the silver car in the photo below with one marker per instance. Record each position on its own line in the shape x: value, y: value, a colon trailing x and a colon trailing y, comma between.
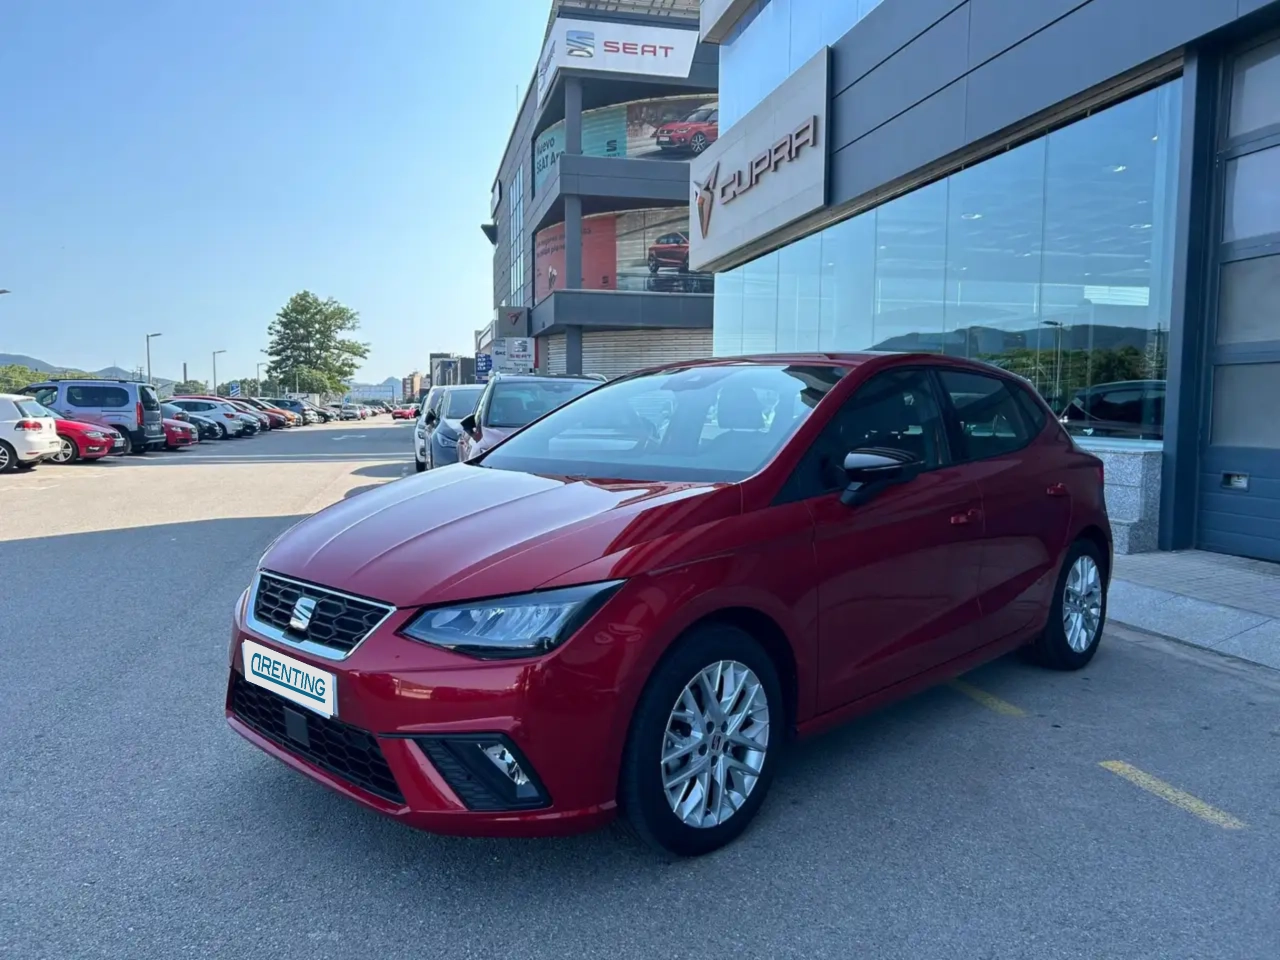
x: 230, y: 421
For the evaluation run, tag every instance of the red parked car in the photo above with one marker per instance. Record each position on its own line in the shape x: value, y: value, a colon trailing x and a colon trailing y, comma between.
x: 694, y: 133
x: 179, y: 434
x: 669, y: 250
x: 85, y: 441
x: 404, y: 413
x: 633, y: 604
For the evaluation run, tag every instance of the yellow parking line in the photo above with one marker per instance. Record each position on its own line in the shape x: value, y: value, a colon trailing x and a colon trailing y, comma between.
x: 1173, y: 795
x: 993, y: 703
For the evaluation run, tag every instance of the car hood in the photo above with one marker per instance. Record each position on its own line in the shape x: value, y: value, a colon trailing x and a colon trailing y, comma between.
x: 682, y: 127
x: 461, y: 532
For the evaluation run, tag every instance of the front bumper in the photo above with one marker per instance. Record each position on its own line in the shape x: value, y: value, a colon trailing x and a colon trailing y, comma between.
x: 564, y: 714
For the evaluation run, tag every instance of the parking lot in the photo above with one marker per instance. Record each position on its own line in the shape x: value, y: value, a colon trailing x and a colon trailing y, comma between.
x: 1128, y: 810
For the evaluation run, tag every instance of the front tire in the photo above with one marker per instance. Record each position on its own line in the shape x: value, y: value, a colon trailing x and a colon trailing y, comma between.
x: 67, y: 453
x: 704, y: 742
x: 1078, y: 612
x: 8, y: 458
x: 653, y: 264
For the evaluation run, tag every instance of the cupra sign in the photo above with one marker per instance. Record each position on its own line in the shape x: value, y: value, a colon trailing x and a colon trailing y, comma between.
x: 771, y: 161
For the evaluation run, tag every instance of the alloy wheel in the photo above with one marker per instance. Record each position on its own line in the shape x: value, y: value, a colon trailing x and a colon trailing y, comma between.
x: 1082, y: 604
x: 6, y: 459
x: 698, y: 143
x: 66, y: 451
x: 715, y: 744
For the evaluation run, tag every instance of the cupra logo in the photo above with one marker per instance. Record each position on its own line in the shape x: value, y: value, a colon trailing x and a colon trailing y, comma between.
x: 580, y: 43
x: 707, y: 200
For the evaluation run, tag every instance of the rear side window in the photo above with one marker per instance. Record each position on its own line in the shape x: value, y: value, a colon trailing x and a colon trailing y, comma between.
x: 990, y: 417
x: 148, y: 397
x: 29, y: 408
x: 84, y: 395
x: 1032, y: 411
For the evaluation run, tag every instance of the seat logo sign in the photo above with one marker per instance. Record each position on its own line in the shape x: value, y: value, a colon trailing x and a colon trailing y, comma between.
x: 303, y: 611
x: 580, y: 43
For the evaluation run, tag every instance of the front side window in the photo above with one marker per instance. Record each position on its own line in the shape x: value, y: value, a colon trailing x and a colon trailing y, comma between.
x: 716, y: 424
x: 990, y: 418
x: 896, y: 410
x: 520, y: 403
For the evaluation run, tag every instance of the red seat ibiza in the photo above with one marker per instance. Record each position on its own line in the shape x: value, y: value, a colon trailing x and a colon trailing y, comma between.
x: 633, y: 604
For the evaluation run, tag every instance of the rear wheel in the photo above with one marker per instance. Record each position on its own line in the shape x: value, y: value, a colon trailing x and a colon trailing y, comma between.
x: 223, y: 433
x: 68, y: 452
x: 128, y: 444
x: 1078, y: 613
x: 703, y: 747
x: 8, y: 459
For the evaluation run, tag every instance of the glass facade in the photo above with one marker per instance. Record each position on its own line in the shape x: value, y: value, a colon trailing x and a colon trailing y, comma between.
x: 1052, y: 260
x: 517, y: 236
x: 772, y: 40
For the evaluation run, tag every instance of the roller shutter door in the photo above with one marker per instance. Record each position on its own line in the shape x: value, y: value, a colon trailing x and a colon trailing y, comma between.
x: 551, y: 353
x: 616, y: 352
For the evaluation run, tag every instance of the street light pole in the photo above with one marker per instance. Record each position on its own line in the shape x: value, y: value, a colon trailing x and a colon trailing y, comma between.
x: 215, y: 370
x: 259, y: 378
x: 149, y: 336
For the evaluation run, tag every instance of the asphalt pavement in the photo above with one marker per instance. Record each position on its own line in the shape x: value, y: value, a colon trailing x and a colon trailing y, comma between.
x: 1127, y: 811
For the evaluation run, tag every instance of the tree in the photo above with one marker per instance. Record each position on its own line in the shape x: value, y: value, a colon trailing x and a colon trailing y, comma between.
x: 189, y: 387
x: 308, y: 349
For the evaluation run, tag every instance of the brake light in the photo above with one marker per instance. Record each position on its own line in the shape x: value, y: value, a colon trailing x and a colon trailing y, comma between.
x: 141, y: 419
x: 28, y: 425
x: 229, y: 416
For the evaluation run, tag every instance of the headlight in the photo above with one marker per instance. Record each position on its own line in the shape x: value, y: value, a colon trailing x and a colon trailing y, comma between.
x: 421, y: 431
x: 96, y: 435
x: 522, y: 626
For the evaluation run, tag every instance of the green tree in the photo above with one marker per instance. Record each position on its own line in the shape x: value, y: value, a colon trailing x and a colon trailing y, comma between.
x: 185, y: 387
x: 309, y: 349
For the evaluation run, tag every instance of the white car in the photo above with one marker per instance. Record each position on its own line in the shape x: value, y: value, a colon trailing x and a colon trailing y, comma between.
x: 28, y: 433
x: 229, y: 419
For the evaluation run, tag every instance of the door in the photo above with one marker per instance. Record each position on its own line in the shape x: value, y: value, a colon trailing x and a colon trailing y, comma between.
x: 897, y: 576
x: 1026, y: 502
x: 1239, y: 482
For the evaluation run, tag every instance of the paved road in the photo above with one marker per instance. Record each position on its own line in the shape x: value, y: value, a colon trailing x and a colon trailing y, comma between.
x: 971, y: 822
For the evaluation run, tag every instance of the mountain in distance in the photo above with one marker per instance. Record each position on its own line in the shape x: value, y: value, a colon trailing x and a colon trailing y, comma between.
x: 107, y: 373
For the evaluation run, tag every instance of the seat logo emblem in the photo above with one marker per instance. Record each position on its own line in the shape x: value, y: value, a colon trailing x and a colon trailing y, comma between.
x: 303, y: 611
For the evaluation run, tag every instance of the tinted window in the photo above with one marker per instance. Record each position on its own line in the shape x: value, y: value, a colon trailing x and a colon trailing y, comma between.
x: 710, y: 424
x: 148, y: 397
x: 521, y: 402
x: 45, y: 395
x: 896, y: 409
x: 92, y: 396
x: 990, y: 418
x: 461, y: 403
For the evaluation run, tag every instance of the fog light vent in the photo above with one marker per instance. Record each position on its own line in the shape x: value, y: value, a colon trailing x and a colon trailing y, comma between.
x: 486, y: 771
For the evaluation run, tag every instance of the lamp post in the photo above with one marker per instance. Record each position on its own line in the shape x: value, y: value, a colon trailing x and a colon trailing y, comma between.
x: 215, y: 370
x: 149, y: 337
x: 259, y: 379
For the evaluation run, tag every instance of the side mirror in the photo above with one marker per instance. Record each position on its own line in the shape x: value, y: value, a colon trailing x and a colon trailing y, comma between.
x: 469, y: 424
x: 871, y: 470
x: 430, y: 419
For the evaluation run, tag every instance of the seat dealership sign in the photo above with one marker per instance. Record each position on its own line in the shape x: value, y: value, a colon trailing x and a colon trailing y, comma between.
x: 615, y: 48
x: 767, y: 170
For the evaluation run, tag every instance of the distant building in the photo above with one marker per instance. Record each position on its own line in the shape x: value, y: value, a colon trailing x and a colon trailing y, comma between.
x: 411, y: 386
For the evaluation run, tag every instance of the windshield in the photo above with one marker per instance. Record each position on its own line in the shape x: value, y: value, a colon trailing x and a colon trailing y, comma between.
x: 170, y: 410
x: 520, y: 403
x: 714, y: 424
x: 460, y: 403
x: 701, y: 115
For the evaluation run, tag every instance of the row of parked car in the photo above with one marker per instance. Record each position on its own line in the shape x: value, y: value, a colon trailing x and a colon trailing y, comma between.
x: 62, y: 421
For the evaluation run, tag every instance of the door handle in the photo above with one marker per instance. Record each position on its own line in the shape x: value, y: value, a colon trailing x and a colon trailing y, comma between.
x: 1057, y: 490
x: 969, y: 516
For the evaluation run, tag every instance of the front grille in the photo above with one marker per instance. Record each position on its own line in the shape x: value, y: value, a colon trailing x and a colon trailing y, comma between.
x: 338, y: 622
x: 343, y: 750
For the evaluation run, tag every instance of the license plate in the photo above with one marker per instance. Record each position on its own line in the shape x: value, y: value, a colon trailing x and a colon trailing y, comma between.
x: 317, y: 690
x: 664, y: 139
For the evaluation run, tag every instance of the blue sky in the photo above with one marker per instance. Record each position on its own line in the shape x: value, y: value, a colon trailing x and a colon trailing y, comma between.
x: 184, y: 166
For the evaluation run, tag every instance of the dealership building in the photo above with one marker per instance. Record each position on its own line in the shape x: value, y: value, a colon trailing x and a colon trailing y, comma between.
x: 590, y: 208
x: 1085, y: 192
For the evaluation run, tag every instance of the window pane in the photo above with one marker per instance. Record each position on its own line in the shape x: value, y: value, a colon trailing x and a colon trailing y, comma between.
x: 1249, y: 308
x: 991, y: 421
x: 911, y: 257
x: 995, y: 230
x: 1255, y: 90
x: 848, y: 284
x: 1253, y: 195
x: 726, y: 330
x: 760, y: 305
x: 1246, y: 397
x: 798, y: 301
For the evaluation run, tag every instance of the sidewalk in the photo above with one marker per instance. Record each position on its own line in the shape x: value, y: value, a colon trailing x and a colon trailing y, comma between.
x: 1227, y: 604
